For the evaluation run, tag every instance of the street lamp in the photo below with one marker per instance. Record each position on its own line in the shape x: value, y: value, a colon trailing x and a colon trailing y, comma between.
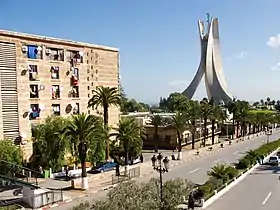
x: 160, y: 165
x: 268, y: 133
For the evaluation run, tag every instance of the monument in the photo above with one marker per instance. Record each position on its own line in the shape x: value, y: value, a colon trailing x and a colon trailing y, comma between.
x: 210, y: 64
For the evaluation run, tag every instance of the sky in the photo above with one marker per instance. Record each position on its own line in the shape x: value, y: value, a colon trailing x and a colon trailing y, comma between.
x: 159, y: 42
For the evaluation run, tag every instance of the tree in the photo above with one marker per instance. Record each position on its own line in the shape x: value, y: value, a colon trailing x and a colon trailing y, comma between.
x: 243, y: 115
x: 11, y: 153
x: 179, y: 122
x: 156, y: 121
x: 50, y: 146
x: 129, y: 136
x: 217, y: 115
x: 85, y: 129
x: 105, y: 97
x: 205, y: 112
x: 192, y: 114
x: 175, y: 102
x: 232, y: 107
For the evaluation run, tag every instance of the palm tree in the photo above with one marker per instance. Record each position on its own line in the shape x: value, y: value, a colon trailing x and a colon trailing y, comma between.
x: 129, y: 134
x: 233, y: 109
x: 205, y: 112
x: 217, y: 115
x: 220, y: 172
x: 243, y: 116
x: 83, y: 129
x: 192, y: 114
x: 105, y: 97
x: 156, y: 121
x: 179, y: 122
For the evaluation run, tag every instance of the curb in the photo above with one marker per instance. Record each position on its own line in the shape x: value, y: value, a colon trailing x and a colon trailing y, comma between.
x: 232, y: 184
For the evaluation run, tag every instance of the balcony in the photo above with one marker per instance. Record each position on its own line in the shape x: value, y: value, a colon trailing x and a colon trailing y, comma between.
x: 56, y: 109
x: 34, y: 91
x: 74, y: 57
x: 54, y: 54
x: 55, y: 92
x: 74, y: 93
x: 76, y: 109
x: 74, y: 80
x: 55, y: 72
x: 34, y: 112
x: 32, y: 51
x: 33, y: 73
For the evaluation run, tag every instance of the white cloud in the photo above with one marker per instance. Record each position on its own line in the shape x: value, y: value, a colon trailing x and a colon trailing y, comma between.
x: 274, y: 41
x: 242, y: 55
x: 178, y: 83
x: 276, y: 67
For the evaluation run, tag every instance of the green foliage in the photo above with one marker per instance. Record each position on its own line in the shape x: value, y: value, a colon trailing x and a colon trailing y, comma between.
x: 48, y: 140
x: 86, y: 130
x: 222, y: 172
x: 129, y: 136
x: 10, y: 152
x: 135, y: 196
x: 175, y: 102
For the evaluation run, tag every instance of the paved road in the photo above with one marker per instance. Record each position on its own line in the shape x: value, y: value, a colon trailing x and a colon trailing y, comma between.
x: 258, y: 191
x: 196, y: 170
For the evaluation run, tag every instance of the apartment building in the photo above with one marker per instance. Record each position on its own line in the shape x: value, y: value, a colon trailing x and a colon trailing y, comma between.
x: 42, y: 76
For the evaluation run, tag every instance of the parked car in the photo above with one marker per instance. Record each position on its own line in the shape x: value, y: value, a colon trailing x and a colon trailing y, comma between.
x: 273, y: 160
x: 102, y: 167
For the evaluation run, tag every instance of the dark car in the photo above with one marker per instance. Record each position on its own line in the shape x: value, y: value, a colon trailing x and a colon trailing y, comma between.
x: 102, y: 167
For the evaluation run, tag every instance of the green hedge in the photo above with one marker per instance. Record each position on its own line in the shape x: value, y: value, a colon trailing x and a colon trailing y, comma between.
x: 228, y: 173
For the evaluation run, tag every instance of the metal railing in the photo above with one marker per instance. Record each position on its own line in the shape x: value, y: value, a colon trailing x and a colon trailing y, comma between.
x: 132, y: 173
x: 18, y: 173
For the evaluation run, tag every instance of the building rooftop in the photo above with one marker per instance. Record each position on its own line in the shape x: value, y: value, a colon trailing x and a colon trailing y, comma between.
x: 55, y: 40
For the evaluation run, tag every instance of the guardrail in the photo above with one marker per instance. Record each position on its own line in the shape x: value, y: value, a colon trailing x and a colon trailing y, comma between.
x: 132, y: 173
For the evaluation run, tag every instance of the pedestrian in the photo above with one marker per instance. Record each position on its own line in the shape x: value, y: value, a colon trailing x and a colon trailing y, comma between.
x: 40, y: 169
x: 191, y: 201
x: 262, y: 158
x: 141, y: 158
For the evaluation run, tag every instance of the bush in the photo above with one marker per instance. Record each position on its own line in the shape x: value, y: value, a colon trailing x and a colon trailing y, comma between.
x: 135, y: 196
x: 243, y: 163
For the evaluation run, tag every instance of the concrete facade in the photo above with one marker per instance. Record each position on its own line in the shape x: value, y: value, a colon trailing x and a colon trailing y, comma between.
x: 59, y: 80
x: 210, y: 64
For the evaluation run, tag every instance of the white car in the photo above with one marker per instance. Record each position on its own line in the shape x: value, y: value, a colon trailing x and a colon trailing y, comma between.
x: 274, y: 160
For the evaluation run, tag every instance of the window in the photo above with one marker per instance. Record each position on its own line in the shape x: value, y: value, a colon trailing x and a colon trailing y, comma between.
x: 87, y: 78
x: 92, y: 75
x: 91, y: 67
x: 34, y: 52
x: 96, y: 71
x: 56, y: 109
x: 34, y: 112
x: 34, y: 91
x: 55, y: 54
x: 88, y: 87
x: 92, y: 91
x: 74, y: 56
x: 55, y: 92
x: 87, y: 62
x: 76, y: 109
x: 88, y: 71
x: 75, y: 77
x: 88, y: 111
x: 55, y: 72
x: 74, y: 92
x: 88, y: 96
x: 92, y: 84
x: 33, y: 72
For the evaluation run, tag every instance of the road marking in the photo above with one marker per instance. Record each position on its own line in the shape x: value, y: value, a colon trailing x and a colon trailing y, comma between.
x: 197, y: 169
x: 236, y: 152
x: 266, y: 199
x: 216, y: 161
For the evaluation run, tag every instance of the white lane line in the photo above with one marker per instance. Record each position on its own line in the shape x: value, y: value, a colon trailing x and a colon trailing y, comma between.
x: 218, y: 160
x: 197, y: 169
x: 236, y: 152
x: 266, y: 198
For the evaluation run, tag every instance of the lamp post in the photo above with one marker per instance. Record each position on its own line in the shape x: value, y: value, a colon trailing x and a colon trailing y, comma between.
x: 268, y: 133
x: 160, y: 165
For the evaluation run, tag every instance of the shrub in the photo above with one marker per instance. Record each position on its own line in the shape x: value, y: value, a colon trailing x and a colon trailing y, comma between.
x: 243, y: 163
x: 135, y: 196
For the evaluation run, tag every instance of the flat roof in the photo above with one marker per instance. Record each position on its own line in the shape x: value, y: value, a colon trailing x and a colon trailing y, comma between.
x: 52, y: 39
